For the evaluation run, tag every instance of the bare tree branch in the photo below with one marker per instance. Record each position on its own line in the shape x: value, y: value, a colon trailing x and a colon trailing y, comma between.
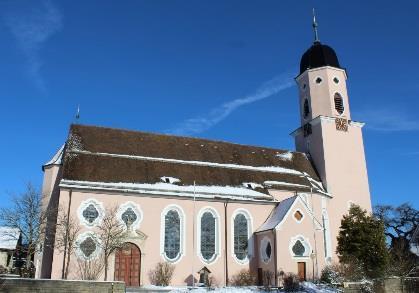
x: 112, y: 234
x: 68, y: 229
x: 26, y: 215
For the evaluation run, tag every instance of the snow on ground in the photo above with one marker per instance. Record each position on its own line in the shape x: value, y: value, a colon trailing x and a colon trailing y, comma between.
x: 306, y: 287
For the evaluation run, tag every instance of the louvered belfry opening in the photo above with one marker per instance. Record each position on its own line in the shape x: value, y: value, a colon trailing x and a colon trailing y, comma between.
x: 306, y: 108
x: 339, y: 103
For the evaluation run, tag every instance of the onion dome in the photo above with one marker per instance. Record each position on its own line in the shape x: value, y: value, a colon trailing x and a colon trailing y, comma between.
x: 318, y: 55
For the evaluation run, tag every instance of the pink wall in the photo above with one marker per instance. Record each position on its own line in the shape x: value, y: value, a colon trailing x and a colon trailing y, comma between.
x: 152, y: 208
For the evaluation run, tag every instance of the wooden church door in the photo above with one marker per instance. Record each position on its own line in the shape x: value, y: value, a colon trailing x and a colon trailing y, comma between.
x: 127, y: 265
x: 302, y: 271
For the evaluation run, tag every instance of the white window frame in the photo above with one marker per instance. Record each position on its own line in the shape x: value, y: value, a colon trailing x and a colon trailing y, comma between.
x: 249, y: 219
x: 182, y: 244
x: 81, y: 238
x: 136, y: 209
x: 262, y: 250
x: 99, y: 207
x: 306, y: 243
x: 302, y: 216
x: 216, y: 216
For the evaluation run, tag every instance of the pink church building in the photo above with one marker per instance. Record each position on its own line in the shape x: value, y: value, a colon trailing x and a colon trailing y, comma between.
x: 199, y: 203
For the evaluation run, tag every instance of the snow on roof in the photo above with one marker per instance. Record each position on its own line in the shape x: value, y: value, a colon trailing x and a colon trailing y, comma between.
x: 9, y: 237
x: 168, y: 179
x: 56, y: 159
x: 252, y: 185
x: 202, y: 191
x: 285, y: 156
x: 270, y: 169
x: 273, y: 183
x: 118, y: 155
x: 278, y: 214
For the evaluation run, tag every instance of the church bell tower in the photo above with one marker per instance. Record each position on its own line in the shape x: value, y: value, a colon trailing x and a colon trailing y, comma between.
x: 328, y: 135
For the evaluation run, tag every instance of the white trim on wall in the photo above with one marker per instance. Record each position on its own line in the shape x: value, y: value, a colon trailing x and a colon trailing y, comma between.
x: 217, y: 253
x: 182, y: 218
x: 136, y: 209
x: 98, y: 206
x: 326, y: 236
x: 249, y: 219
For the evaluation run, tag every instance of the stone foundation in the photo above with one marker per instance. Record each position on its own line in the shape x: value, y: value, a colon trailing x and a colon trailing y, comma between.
x: 20, y: 285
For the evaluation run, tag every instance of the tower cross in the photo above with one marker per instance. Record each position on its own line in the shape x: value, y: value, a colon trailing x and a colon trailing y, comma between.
x: 316, y: 34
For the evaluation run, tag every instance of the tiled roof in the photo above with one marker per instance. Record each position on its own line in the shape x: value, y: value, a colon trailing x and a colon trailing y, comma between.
x: 108, y: 155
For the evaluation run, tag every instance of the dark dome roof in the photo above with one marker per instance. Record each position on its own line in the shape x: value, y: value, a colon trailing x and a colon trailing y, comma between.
x: 318, y: 55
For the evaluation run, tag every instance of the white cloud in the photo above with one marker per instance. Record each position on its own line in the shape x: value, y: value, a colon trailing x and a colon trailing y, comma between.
x: 389, y: 120
x: 32, y: 29
x: 216, y: 115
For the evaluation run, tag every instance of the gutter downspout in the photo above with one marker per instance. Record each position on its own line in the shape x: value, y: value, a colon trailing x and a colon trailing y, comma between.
x: 275, y: 259
x: 193, y: 236
x: 66, y: 233
x: 225, y: 242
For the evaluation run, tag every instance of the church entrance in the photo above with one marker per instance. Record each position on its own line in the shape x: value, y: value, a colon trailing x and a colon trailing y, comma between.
x: 127, y: 265
x: 302, y: 271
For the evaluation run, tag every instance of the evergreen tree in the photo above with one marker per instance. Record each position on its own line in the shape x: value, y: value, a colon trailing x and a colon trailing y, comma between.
x: 362, y: 240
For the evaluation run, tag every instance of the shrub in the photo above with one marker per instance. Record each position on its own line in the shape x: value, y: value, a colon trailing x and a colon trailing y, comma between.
x: 367, y: 286
x: 291, y: 282
x: 162, y: 274
x: 353, y: 270
x: 3, y: 270
x: 332, y: 274
x: 243, y: 278
x: 212, y: 282
x: 89, y: 269
x: 268, y: 277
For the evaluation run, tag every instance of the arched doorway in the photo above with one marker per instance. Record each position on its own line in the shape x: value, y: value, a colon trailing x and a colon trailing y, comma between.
x: 127, y: 265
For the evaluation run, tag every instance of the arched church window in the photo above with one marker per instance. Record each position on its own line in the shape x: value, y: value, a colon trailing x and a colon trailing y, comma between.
x: 298, y: 248
x: 172, y: 235
x: 208, y: 236
x: 90, y: 213
x: 241, y: 236
x: 339, y: 103
x: 306, y: 108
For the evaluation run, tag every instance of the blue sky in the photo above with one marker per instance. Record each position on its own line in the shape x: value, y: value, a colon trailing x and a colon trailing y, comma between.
x: 213, y: 69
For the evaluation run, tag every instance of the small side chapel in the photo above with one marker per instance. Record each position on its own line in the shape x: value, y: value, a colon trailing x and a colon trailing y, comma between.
x: 212, y: 207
